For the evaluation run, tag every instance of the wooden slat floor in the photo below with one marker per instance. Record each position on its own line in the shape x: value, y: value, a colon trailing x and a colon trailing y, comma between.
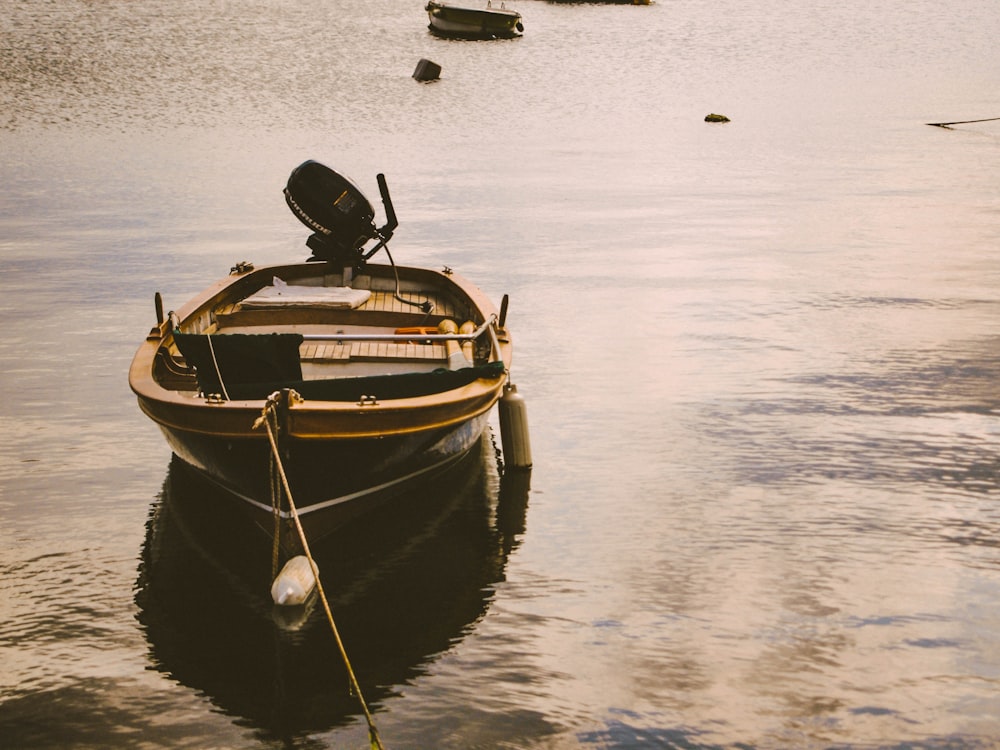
x: 380, y: 301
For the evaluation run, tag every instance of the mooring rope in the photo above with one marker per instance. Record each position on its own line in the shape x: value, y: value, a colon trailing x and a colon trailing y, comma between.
x: 270, y: 409
x: 215, y: 362
x: 275, y: 486
x: 947, y: 125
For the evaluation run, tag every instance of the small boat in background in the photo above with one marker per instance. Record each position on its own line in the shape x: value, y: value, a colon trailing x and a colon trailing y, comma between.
x: 473, y: 23
x: 603, y: 2
x: 386, y: 374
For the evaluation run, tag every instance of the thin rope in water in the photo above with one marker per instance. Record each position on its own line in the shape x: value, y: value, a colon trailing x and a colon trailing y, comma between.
x: 269, y: 410
x: 961, y: 122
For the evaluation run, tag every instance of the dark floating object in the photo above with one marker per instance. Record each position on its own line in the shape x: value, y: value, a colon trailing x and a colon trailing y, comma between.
x: 960, y: 122
x: 716, y: 118
x: 427, y: 70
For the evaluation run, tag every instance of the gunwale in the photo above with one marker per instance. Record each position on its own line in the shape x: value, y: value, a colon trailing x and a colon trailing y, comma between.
x: 312, y: 419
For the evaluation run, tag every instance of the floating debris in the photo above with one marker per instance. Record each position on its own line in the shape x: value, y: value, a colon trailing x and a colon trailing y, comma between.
x: 427, y: 70
x: 716, y: 118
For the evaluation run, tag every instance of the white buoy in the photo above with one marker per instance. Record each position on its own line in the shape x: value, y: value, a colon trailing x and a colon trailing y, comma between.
x: 294, y: 583
x: 514, y: 428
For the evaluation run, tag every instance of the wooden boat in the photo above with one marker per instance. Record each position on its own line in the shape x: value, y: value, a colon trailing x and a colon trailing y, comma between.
x: 473, y: 23
x: 384, y: 375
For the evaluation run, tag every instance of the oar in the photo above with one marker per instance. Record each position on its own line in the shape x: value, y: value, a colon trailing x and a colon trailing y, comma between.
x: 960, y: 122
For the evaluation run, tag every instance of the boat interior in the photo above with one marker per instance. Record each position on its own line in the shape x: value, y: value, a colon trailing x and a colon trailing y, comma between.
x: 310, y: 332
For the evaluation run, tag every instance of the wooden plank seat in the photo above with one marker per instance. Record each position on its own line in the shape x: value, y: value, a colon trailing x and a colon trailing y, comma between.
x: 382, y: 308
x: 312, y: 351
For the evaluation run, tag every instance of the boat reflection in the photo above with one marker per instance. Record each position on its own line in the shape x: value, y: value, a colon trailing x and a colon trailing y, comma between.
x: 405, y: 583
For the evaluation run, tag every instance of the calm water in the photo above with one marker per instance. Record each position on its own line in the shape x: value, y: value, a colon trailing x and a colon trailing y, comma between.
x: 761, y: 360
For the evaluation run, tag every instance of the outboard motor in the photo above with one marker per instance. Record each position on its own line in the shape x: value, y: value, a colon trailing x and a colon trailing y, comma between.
x: 339, y: 214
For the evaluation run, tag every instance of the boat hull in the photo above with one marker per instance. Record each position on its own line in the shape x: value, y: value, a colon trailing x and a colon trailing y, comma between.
x: 331, y: 481
x: 405, y: 584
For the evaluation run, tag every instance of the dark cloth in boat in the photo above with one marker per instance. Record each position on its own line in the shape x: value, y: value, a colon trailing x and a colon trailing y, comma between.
x: 243, y: 359
x: 387, y: 387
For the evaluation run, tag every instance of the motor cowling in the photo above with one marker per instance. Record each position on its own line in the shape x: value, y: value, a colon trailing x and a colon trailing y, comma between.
x: 331, y: 205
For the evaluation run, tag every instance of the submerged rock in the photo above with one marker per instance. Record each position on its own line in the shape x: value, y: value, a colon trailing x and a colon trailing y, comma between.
x: 716, y: 118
